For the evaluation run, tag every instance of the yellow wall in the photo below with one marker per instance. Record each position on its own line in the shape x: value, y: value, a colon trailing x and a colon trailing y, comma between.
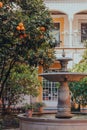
x: 55, y: 65
x: 40, y: 70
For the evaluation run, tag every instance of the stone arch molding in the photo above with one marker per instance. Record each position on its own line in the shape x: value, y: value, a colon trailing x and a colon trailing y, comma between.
x: 81, y: 11
x: 69, y: 9
x: 58, y: 11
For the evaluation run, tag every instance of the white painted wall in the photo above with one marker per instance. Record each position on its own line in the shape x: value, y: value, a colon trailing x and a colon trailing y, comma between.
x: 70, y: 7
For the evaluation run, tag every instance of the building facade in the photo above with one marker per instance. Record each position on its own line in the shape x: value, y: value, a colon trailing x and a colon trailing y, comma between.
x: 70, y: 21
x: 70, y: 32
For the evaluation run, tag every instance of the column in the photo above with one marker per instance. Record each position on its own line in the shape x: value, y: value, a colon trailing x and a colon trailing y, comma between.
x: 70, y: 30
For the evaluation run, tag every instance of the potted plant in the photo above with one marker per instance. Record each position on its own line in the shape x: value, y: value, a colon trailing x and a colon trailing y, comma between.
x: 28, y: 109
x: 39, y: 106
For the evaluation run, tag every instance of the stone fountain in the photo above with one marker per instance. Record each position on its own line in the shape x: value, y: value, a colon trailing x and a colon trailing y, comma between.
x: 63, y: 77
x: 62, y: 121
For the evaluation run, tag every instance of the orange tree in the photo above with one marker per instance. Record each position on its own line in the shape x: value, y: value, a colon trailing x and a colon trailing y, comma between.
x: 25, y: 27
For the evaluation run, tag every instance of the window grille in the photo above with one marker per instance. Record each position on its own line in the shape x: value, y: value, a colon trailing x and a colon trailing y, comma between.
x: 50, y: 90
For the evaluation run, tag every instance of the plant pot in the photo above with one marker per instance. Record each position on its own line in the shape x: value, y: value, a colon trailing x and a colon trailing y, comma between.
x: 40, y: 109
x: 29, y: 113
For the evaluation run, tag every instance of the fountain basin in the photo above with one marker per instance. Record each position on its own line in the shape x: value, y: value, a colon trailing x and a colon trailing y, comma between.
x: 61, y: 76
x: 36, y: 123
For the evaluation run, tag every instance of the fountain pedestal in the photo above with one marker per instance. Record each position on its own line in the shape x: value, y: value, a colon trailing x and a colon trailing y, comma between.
x: 64, y: 105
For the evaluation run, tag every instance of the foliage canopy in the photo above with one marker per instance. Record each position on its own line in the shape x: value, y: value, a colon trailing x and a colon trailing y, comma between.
x: 24, y: 36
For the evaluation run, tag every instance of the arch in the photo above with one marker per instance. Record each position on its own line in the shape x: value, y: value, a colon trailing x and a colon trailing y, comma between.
x: 57, y: 12
x: 81, y: 12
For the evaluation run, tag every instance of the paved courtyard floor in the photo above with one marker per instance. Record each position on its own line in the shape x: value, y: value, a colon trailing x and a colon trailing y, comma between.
x: 13, y: 129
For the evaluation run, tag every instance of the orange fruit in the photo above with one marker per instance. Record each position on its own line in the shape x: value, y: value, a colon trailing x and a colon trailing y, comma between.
x: 22, y: 28
x: 18, y: 28
x: 1, y: 4
x: 20, y: 24
x: 42, y: 29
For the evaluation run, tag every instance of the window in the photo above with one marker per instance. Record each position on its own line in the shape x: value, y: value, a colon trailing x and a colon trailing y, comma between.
x: 83, y: 32
x: 56, y: 33
x: 50, y: 90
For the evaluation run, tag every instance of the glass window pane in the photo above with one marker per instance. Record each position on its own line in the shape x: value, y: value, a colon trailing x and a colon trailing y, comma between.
x: 83, y: 32
x: 56, y: 33
x: 50, y: 90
